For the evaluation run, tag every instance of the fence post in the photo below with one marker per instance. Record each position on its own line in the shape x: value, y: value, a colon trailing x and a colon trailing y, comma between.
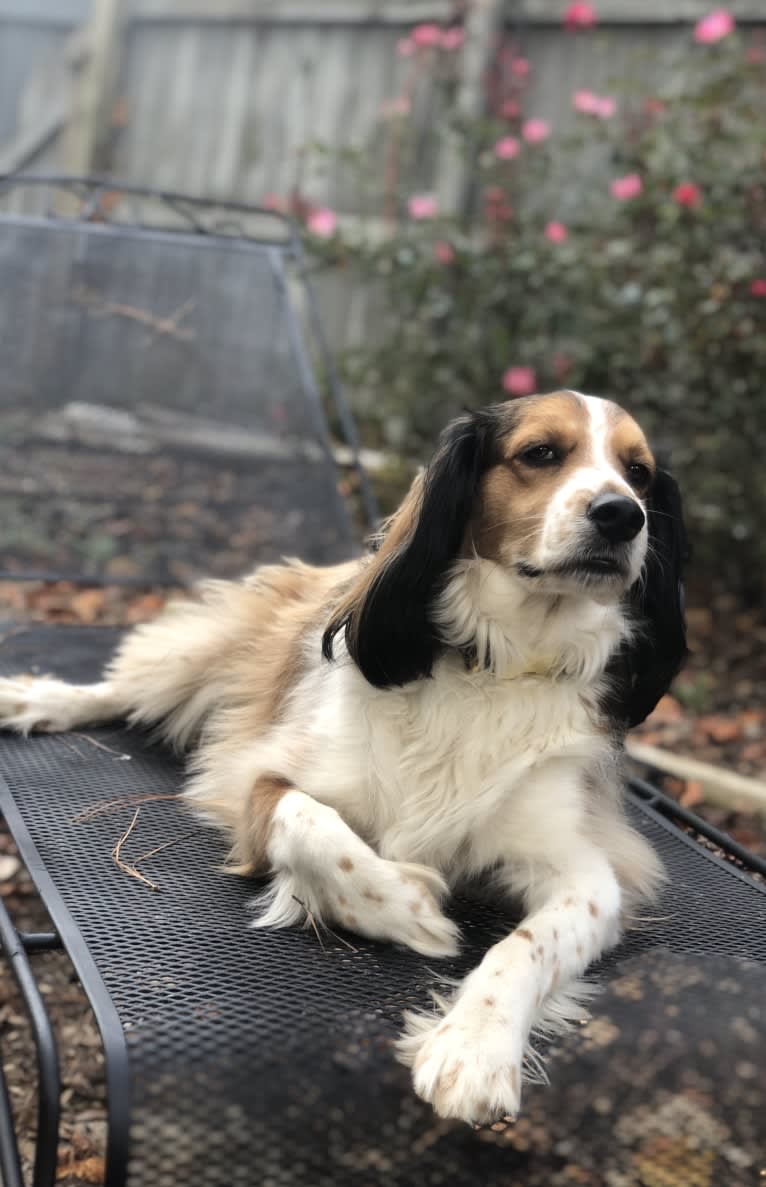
x: 85, y: 142
x: 482, y: 21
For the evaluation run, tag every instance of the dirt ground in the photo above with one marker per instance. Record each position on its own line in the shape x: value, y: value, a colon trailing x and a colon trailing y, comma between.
x: 715, y: 713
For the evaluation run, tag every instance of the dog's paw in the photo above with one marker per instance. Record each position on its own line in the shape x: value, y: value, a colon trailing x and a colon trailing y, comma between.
x: 389, y: 900
x: 467, y: 1063
x: 327, y: 871
x: 31, y: 703
x: 384, y: 900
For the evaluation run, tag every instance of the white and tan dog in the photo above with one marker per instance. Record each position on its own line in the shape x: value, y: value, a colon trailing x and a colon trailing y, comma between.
x: 453, y: 703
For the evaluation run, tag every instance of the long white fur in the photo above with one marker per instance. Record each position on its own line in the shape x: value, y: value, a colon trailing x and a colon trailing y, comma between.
x: 402, y: 791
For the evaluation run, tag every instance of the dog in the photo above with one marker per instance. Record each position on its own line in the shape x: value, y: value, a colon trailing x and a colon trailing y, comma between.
x: 453, y: 703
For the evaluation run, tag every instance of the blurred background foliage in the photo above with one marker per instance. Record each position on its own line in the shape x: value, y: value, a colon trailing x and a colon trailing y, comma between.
x: 627, y: 259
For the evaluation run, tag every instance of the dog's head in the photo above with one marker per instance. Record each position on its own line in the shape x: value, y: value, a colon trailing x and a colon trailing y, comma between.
x: 564, y: 494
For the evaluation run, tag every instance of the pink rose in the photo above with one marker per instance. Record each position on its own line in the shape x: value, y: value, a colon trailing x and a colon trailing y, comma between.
x: 509, y: 109
x: 452, y: 39
x: 606, y: 107
x: 534, y: 131
x: 602, y: 106
x: 519, y: 381
x: 556, y: 232
x: 424, y: 36
x: 758, y: 287
x: 507, y: 148
x: 423, y: 206
x: 714, y: 27
x: 405, y: 47
x: 322, y: 222
x: 520, y: 67
x: 444, y: 252
x: 579, y: 16
x: 627, y: 187
x: 687, y: 194
x: 585, y: 101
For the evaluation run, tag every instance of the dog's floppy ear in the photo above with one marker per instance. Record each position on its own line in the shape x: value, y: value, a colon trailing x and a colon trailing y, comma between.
x: 386, y: 615
x: 645, y: 668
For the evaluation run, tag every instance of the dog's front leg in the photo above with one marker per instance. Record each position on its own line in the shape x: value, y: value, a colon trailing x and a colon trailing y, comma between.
x: 468, y: 1062
x: 322, y: 868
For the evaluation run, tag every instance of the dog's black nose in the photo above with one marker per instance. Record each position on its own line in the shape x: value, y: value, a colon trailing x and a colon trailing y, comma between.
x: 617, y: 517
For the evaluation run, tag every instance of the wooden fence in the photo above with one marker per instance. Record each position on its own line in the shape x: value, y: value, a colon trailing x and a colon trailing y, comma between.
x: 220, y: 97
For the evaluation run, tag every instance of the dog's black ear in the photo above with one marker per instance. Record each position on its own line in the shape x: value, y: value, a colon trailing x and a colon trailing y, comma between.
x: 643, y: 671
x: 386, y: 615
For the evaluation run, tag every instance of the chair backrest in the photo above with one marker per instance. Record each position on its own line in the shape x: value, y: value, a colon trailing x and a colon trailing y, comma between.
x: 159, y: 416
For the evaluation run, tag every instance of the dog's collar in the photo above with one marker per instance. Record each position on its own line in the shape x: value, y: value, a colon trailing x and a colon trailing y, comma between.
x: 538, y: 664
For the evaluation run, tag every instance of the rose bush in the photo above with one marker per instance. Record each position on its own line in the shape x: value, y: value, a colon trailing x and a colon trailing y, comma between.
x: 651, y: 290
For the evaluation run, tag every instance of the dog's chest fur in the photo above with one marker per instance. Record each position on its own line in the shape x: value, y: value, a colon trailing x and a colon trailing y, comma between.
x: 432, y: 763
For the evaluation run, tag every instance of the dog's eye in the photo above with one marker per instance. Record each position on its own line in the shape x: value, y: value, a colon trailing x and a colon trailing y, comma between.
x: 540, y: 455
x: 638, y: 473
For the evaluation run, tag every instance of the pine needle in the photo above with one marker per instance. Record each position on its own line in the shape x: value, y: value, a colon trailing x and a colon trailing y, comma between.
x: 110, y: 806
x: 123, y: 865
x: 167, y: 845
x: 101, y: 746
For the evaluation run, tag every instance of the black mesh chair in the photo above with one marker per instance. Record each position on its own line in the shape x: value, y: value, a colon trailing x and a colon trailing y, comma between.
x: 236, y: 1056
x: 159, y: 413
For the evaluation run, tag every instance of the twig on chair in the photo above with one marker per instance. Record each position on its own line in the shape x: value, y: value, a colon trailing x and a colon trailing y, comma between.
x: 340, y: 939
x: 312, y: 921
x: 123, y: 865
x: 101, y: 746
x: 69, y: 745
x: 110, y: 806
x: 168, y: 326
x: 329, y: 930
x: 167, y: 845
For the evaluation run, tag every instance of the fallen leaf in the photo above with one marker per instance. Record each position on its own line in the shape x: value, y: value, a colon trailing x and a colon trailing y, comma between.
x: 667, y: 709
x: 692, y: 794
x: 81, y: 1142
x: 651, y: 737
x: 13, y: 595
x: 87, y: 604
x: 700, y: 620
x: 752, y: 722
x: 721, y: 729
x: 144, y: 607
x: 87, y: 1170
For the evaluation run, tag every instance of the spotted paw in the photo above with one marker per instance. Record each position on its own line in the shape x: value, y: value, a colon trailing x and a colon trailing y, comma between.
x: 391, y: 900
x: 466, y: 1063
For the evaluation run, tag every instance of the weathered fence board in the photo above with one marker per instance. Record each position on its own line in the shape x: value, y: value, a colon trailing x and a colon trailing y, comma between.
x: 412, y: 11
x: 222, y: 97
x: 23, y: 49
x: 62, y: 13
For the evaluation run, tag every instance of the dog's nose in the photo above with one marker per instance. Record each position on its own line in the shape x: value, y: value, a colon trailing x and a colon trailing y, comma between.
x: 617, y: 517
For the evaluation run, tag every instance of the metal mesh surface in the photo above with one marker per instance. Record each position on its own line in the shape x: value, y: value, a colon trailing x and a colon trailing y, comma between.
x: 263, y: 1057
x: 158, y: 418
